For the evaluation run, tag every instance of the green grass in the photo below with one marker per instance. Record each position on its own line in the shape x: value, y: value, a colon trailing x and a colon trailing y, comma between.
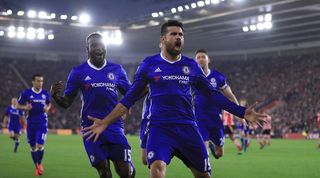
x: 65, y: 157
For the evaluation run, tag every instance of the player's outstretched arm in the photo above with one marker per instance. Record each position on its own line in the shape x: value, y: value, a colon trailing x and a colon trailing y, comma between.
x: 5, y: 121
x: 99, y: 125
x: 63, y: 101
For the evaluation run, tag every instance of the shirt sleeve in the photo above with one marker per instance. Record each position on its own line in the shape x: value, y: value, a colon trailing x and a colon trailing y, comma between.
x: 201, y: 83
x: 124, y: 83
x: 139, y: 84
x: 23, y: 98
x: 72, y: 85
x: 222, y: 83
x: 7, y: 111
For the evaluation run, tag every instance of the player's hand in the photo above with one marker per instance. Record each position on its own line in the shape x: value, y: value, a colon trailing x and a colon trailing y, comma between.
x: 95, y: 129
x: 56, y: 88
x: 253, y: 117
x: 46, y: 109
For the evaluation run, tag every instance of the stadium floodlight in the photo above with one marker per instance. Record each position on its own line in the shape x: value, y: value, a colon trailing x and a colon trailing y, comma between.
x: 20, y: 29
x: 180, y: 8
x: 186, y: 7
x: 260, y: 26
x: 260, y: 18
x: 1, y: 33
x: 11, y: 28
x: 268, y: 25
x: 74, y: 18
x: 32, y: 14
x: 215, y: 1
x: 21, y: 34
x: 160, y: 13
x: 245, y: 29
x: 63, y: 17
x: 268, y: 17
x: 31, y: 35
x: 20, y: 13
x: 9, y: 12
x: 40, y: 30
x: 155, y: 15
x: 200, y: 3
x: 42, y: 15
x: 84, y: 18
x: 193, y: 5
x: 253, y: 27
x: 173, y: 10
x: 31, y: 29
x: 50, y: 36
x: 41, y: 36
x: 52, y: 16
x: 207, y: 2
x: 11, y: 34
x: 154, y: 23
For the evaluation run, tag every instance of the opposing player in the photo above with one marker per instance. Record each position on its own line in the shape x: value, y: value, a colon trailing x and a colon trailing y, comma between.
x: 13, y: 119
x: 244, y: 130
x: 36, y: 103
x: 209, y: 115
x: 266, y: 133
x: 228, y: 124
x: 318, y: 120
x: 172, y: 130
x: 99, y: 82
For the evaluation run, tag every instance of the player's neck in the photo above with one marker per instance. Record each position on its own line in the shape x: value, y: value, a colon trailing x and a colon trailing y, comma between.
x: 36, y: 90
x: 97, y: 63
x: 169, y: 57
x: 206, y: 70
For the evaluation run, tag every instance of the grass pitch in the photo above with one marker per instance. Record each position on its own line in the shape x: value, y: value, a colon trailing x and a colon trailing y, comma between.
x: 65, y: 157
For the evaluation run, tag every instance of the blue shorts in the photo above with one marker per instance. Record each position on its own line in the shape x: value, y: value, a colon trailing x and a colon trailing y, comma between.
x: 143, y: 133
x: 15, y: 128
x: 183, y: 141
x: 36, y: 134
x: 213, y: 132
x: 113, y: 147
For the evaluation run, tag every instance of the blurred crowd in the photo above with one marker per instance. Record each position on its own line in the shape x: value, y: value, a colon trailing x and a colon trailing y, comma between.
x: 293, y: 81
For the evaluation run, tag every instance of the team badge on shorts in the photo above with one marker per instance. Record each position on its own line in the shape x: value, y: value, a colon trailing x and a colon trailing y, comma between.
x: 111, y: 76
x: 150, y: 154
x: 186, y: 70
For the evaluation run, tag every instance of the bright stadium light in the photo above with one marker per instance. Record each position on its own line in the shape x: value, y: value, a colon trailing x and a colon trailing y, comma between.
x: 50, y: 37
x: 20, y: 13
x: 74, y: 18
x: 207, y: 2
x: 260, y: 26
x: 200, y: 3
x: 11, y: 34
x: 40, y: 30
x: 9, y: 12
x: 160, y: 13
x: 42, y: 15
x: 180, y: 8
x: 52, y: 16
x: 173, y: 10
x: 253, y: 27
x: 155, y: 15
x: 245, y: 29
x: 268, y: 17
x: 20, y: 28
x: 268, y: 25
x: 84, y: 18
x: 21, y: 34
x: 11, y: 28
x: 1, y: 33
x: 41, y: 36
x: 215, y: 1
x: 193, y: 5
x: 63, y: 17
x: 260, y: 18
x: 32, y: 14
x: 31, y: 35
x: 186, y: 7
x: 31, y: 29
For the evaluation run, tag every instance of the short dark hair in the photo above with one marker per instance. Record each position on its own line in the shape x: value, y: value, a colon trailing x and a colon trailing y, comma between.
x: 94, y: 34
x: 201, y: 51
x: 36, y: 75
x: 170, y: 23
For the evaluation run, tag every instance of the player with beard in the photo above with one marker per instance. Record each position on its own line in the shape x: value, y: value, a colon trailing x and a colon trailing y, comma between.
x: 99, y: 81
x: 173, y: 130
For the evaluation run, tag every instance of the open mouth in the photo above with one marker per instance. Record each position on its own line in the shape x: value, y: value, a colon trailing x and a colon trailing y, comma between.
x: 177, y: 45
